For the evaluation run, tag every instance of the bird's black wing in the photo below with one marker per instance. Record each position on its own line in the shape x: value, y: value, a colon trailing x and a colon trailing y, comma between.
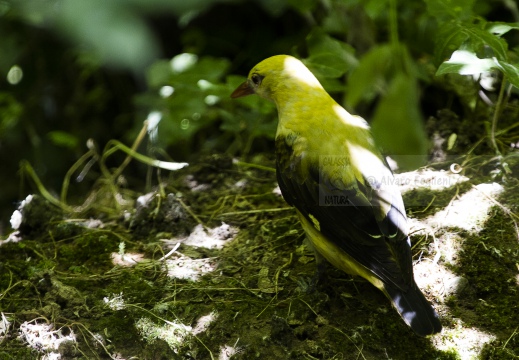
x: 366, y: 222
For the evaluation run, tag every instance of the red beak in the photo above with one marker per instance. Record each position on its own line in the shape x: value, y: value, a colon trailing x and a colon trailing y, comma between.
x: 242, y: 90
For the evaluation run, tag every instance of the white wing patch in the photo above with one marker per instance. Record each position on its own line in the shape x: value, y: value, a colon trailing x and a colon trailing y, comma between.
x: 297, y: 70
x: 350, y: 119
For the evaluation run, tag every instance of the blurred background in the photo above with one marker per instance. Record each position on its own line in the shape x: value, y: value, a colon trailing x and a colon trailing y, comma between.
x: 73, y: 70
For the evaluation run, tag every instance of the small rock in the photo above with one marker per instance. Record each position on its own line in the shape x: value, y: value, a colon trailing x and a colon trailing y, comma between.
x: 456, y: 286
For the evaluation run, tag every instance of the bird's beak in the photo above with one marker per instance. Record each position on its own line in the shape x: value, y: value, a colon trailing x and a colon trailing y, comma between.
x: 242, y: 90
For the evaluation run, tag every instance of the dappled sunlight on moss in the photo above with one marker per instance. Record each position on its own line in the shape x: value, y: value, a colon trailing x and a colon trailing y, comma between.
x: 237, y: 281
x: 428, y: 179
x: 465, y: 340
x: 468, y: 267
x: 186, y: 268
x: 214, y: 238
x: 44, y: 338
x: 470, y: 211
x: 173, y: 333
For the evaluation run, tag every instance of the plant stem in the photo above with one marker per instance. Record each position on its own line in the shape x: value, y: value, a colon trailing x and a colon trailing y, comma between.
x: 393, y: 22
x: 497, y: 114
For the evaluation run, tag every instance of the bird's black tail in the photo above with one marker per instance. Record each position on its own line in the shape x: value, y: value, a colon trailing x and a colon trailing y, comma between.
x: 416, y: 311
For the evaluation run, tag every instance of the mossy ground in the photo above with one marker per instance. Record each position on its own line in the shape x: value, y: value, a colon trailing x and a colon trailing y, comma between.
x: 251, y: 292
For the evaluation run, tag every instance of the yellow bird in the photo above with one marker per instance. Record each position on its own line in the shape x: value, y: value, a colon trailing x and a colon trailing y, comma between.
x: 328, y: 167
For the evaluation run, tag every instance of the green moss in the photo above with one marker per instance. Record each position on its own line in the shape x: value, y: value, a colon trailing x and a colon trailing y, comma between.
x: 256, y: 293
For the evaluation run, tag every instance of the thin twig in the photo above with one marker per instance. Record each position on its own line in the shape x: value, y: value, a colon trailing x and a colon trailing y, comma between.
x: 193, y: 215
x: 256, y: 166
x: 134, y: 147
x: 256, y: 211
x: 170, y: 253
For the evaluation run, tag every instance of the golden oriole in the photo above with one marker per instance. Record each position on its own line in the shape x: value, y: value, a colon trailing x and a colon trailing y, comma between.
x: 330, y: 170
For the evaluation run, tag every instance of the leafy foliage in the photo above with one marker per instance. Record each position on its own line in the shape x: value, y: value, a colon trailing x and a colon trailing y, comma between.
x: 98, y: 69
x: 466, y: 36
x: 90, y: 71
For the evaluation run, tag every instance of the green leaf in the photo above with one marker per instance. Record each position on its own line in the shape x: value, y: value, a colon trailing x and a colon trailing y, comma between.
x: 454, y: 36
x: 159, y: 73
x: 448, y: 39
x: 329, y: 58
x: 501, y: 28
x: 333, y: 85
x: 196, y: 88
x: 303, y: 5
x: 482, y: 37
x: 118, y: 35
x: 325, y: 66
x: 208, y: 68
x: 10, y: 114
x: 398, y: 124
x: 451, y: 141
x: 465, y: 62
x: 186, y: 70
x: 450, y: 9
x: 64, y: 139
x: 372, y: 72
x: 511, y: 72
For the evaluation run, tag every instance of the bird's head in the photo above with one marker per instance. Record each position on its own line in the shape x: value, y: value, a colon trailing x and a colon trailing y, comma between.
x: 277, y: 77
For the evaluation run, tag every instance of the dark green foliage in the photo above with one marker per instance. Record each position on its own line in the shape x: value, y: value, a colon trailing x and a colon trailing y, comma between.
x: 374, y: 57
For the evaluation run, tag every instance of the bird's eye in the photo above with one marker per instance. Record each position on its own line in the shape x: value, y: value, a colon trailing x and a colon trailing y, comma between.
x: 256, y: 79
